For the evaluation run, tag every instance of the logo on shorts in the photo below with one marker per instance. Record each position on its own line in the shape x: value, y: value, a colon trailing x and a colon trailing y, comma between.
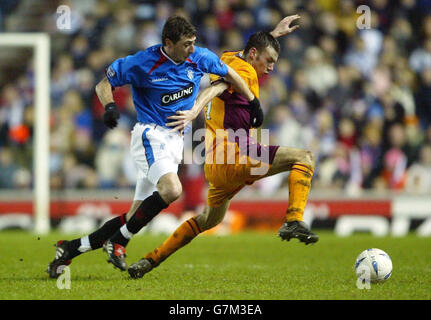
x: 173, y: 97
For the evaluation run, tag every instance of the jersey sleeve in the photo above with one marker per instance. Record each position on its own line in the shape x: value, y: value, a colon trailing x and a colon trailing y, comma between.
x: 245, y: 71
x: 126, y: 70
x: 250, y: 78
x: 214, y: 78
x: 209, y: 62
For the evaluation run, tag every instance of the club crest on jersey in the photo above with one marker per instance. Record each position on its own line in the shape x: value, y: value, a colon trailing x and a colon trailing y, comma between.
x: 110, y: 72
x: 190, y: 74
x: 173, y: 97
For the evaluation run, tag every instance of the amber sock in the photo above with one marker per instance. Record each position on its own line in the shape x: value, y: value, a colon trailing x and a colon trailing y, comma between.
x: 299, y: 188
x: 185, y: 233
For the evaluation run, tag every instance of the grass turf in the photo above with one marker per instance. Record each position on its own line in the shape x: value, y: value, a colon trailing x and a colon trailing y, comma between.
x: 246, y: 266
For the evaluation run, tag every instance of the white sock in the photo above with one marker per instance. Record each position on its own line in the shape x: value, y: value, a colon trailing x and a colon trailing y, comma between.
x: 85, y: 244
x: 125, y: 232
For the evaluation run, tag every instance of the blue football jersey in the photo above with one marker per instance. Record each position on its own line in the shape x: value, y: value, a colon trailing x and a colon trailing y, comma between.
x: 161, y: 87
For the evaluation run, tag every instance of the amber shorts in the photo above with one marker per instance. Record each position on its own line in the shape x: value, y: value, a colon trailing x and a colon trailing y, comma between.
x: 226, y: 180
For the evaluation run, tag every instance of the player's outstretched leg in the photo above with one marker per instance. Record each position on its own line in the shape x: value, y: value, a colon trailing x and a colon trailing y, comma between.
x: 299, y: 187
x: 301, y: 164
x: 185, y: 233
x: 67, y: 250
x: 139, y: 269
x: 115, y: 246
x: 298, y: 230
x: 62, y: 259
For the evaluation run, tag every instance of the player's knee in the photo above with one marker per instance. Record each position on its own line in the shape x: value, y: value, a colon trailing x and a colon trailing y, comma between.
x: 307, y: 157
x: 170, y: 190
x: 206, y: 225
x: 173, y: 193
x: 206, y: 221
x: 201, y: 220
x: 211, y: 224
x: 312, y: 158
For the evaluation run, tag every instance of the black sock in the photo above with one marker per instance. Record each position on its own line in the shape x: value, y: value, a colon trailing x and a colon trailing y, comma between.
x: 148, y: 209
x: 73, y: 248
x: 98, y: 237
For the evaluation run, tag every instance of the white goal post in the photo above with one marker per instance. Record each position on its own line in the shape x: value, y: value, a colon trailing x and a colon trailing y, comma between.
x: 41, y: 43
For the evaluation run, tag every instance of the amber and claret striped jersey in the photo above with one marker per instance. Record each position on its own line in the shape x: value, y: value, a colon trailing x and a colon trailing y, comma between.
x: 233, y: 113
x: 227, y: 121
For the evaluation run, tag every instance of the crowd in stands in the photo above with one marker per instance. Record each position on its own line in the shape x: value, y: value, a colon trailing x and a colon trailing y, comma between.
x: 359, y: 98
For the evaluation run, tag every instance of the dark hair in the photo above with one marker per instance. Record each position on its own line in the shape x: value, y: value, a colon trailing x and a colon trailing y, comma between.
x: 261, y: 40
x: 176, y: 27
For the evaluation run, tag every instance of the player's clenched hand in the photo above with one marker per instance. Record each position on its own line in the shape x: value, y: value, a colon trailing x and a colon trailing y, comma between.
x: 256, y: 113
x: 181, y: 120
x: 111, y: 116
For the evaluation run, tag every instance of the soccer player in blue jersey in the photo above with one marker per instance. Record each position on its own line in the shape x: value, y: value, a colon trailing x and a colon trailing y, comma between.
x: 165, y: 81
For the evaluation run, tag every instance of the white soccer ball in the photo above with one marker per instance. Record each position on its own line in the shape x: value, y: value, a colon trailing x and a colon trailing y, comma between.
x: 373, y: 265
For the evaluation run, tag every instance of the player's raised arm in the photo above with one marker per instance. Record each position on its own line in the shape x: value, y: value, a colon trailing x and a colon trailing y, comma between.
x: 104, y: 93
x: 283, y: 27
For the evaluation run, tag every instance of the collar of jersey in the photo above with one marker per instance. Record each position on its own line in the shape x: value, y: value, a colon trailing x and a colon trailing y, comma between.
x: 240, y: 55
x: 167, y: 57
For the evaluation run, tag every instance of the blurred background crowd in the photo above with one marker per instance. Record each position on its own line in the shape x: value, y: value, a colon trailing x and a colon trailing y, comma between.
x: 360, y: 99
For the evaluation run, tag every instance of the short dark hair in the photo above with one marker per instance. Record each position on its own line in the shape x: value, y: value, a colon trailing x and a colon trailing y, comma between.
x: 176, y: 27
x: 261, y: 40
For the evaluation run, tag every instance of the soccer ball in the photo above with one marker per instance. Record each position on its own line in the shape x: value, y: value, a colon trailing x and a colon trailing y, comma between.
x: 373, y: 265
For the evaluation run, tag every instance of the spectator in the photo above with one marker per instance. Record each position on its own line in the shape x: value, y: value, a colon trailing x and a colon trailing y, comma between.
x: 209, y: 33
x: 285, y: 129
x: 121, y: 32
x: 112, y: 150
x: 8, y: 168
x: 358, y: 98
x: 423, y: 98
x: 321, y: 76
x: 419, y: 173
x: 420, y: 58
x: 395, y: 159
x: 79, y: 50
x: 347, y: 134
x: 148, y: 35
x: 394, y: 169
x: 371, y: 152
x: 359, y: 58
x: 63, y: 77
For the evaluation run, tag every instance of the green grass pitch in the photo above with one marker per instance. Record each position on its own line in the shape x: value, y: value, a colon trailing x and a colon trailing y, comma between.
x: 245, y: 266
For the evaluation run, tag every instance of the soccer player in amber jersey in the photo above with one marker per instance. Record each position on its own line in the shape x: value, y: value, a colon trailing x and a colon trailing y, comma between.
x: 233, y: 158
